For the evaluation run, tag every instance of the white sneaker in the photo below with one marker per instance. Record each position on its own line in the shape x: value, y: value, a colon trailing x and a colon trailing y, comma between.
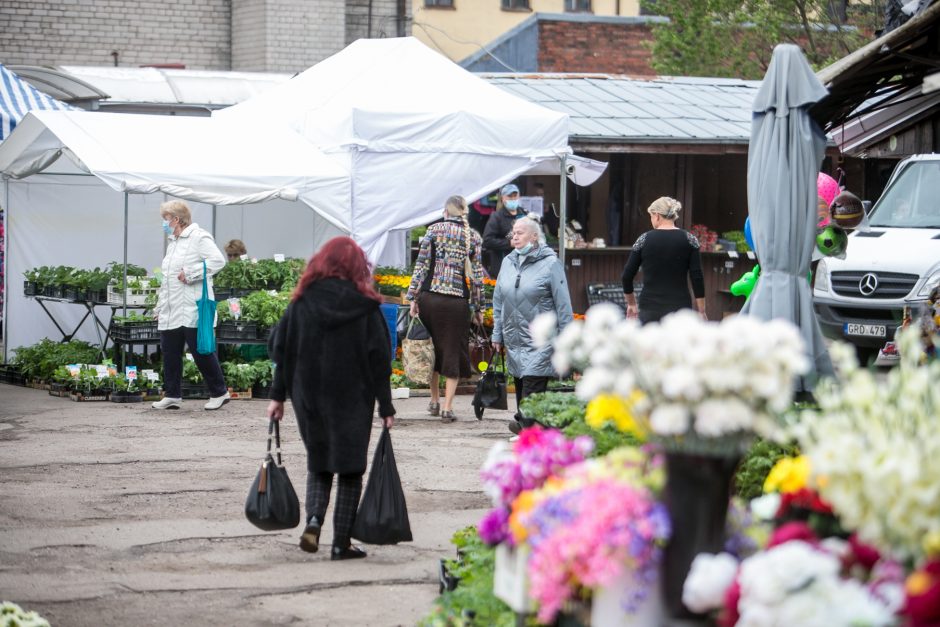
x: 217, y: 401
x: 168, y: 403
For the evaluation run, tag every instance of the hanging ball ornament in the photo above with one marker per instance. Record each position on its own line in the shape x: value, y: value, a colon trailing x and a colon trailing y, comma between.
x: 831, y: 241
x: 827, y: 187
x: 847, y: 210
x: 482, y: 366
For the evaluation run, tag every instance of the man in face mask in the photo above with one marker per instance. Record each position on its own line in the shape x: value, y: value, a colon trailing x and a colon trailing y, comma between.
x: 498, y: 230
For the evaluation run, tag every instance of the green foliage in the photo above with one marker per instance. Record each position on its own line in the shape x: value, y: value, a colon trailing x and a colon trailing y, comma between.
x: 605, y: 439
x: 734, y: 38
x: 740, y: 242
x: 749, y: 480
x: 191, y: 373
x: 553, y: 409
x: 264, y: 274
x: 472, y: 602
x: 132, y: 317
x: 264, y: 308
x: 41, y: 360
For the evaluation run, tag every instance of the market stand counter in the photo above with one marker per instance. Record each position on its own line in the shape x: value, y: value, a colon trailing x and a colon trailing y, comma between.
x: 587, y: 266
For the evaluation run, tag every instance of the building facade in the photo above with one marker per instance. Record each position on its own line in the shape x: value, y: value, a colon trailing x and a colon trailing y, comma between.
x: 461, y: 28
x: 247, y: 35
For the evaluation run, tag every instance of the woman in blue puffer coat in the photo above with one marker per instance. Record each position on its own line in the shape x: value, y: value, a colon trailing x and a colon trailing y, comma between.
x: 531, y: 281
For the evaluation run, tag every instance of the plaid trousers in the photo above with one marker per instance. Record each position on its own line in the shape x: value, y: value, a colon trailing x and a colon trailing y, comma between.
x: 319, y: 485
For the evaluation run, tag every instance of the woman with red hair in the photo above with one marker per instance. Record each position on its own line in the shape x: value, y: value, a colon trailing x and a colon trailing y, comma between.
x: 333, y: 356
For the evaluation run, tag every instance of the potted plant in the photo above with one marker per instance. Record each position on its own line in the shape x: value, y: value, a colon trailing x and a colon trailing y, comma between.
x: 124, y: 390
x: 194, y: 386
x: 263, y: 375
x: 239, y: 378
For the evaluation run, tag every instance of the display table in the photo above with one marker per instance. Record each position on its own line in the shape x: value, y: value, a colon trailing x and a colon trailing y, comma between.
x: 103, y: 332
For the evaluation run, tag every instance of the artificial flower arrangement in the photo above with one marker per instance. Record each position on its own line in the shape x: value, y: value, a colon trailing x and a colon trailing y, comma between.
x: 687, y: 383
x: 510, y: 470
x: 599, y: 519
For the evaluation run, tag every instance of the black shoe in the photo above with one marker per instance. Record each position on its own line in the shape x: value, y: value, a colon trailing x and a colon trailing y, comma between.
x: 310, y: 539
x: 515, y: 427
x: 348, y: 553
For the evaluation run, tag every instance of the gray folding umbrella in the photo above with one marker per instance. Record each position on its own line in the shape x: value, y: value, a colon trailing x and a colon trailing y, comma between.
x: 783, y: 161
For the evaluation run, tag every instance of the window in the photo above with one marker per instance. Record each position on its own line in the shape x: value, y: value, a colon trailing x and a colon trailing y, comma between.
x: 578, y: 6
x: 439, y: 3
x: 515, y: 4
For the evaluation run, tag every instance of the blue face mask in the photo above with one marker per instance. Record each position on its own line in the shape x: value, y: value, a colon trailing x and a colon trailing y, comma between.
x: 512, y: 205
x: 166, y: 227
x: 525, y: 250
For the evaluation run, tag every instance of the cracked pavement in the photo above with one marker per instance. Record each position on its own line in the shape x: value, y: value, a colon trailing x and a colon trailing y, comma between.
x: 116, y: 514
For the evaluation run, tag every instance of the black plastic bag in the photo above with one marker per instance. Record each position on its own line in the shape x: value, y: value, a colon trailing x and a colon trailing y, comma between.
x: 491, y: 388
x: 272, y: 503
x: 383, y: 515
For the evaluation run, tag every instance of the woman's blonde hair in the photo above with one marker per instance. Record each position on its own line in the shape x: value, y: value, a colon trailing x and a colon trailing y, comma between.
x: 665, y: 206
x: 236, y: 247
x: 456, y: 207
x: 177, y: 209
x: 533, y: 225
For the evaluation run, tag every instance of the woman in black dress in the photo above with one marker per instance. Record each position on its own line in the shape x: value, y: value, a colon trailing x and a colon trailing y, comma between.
x: 669, y: 257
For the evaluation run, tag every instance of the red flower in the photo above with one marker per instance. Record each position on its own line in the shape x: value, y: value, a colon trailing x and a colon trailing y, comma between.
x: 804, y: 498
x: 922, y: 605
x: 795, y: 530
x: 863, y: 554
x: 729, y: 615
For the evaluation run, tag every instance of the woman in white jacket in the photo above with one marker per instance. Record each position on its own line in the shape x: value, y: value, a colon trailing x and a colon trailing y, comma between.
x: 189, y: 246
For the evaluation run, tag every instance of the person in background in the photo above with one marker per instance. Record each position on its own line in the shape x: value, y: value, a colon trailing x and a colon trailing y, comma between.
x: 668, y: 257
x: 235, y: 249
x: 449, y: 255
x: 531, y: 281
x: 333, y: 358
x: 189, y: 246
x: 496, y: 235
x: 480, y: 211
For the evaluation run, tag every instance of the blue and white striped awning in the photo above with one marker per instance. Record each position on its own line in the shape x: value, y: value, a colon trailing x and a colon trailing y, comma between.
x: 17, y: 97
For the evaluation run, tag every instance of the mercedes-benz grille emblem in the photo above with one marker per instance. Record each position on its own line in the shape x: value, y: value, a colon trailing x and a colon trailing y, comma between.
x: 868, y: 284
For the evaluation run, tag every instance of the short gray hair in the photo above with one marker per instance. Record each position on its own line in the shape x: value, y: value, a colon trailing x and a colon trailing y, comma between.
x: 532, y: 225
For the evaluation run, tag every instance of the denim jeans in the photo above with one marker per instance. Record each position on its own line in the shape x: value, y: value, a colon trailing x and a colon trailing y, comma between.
x: 171, y: 342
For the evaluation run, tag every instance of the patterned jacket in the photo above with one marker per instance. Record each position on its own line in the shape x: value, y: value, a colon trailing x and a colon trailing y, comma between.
x: 441, y: 263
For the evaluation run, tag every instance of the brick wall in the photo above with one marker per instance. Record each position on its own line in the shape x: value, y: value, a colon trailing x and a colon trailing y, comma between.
x: 85, y: 32
x: 608, y: 48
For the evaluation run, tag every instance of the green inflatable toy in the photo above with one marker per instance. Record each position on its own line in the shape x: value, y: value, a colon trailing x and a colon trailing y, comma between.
x: 745, y: 285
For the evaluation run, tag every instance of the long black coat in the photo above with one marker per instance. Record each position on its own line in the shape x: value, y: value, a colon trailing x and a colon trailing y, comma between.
x: 333, y: 359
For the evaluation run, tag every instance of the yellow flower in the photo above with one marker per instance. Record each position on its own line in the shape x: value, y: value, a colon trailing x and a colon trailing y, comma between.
x: 521, y: 505
x: 931, y: 544
x: 788, y: 475
x: 618, y: 410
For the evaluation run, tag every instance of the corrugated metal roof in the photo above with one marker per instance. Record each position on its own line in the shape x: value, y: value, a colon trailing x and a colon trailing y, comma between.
x: 620, y: 108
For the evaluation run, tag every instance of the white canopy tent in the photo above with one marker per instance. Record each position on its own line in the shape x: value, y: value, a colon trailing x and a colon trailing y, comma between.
x: 413, y: 128
x: 72, y: 211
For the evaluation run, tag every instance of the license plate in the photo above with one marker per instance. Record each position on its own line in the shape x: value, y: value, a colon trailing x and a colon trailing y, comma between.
x: 866, y: 330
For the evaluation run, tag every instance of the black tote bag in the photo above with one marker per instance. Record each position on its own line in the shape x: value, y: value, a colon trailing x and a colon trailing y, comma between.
x: 272, y: 503
x: 491, y: 388
x: 383, y: 515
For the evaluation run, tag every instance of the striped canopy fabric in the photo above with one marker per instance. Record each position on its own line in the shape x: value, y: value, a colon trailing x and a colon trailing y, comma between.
x: 17, y: 97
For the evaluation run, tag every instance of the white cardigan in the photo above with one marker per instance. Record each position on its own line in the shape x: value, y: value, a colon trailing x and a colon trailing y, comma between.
x: 176, y: 301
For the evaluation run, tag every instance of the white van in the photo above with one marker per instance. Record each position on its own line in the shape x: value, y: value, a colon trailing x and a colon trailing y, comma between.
x: 861, y: 298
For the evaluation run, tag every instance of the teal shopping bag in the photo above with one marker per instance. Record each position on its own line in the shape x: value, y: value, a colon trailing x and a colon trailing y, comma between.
x: 205, y: 325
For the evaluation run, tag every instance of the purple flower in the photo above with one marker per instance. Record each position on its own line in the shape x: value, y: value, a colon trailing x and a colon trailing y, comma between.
x: 494, y: 528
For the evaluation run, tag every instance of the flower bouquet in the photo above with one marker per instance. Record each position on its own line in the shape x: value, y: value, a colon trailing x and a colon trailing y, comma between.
x: 590, y: 526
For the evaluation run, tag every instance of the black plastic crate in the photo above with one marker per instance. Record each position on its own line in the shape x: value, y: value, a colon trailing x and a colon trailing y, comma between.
x: 194, y: 391
x: 234, y: 330
x: 97, y: 296
x: 30, y: 288
x: 144, y: 331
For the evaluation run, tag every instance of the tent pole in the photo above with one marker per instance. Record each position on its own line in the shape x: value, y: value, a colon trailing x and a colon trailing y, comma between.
x: 213, y: 221
x: 563, y: 203
x: 6, y: 267
x: 124, y: 297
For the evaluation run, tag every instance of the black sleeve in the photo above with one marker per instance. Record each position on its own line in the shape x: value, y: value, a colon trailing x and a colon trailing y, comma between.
x: 380, y: 361
x: 695, y: 273
x: 633, y: 265
x: 492, y: 238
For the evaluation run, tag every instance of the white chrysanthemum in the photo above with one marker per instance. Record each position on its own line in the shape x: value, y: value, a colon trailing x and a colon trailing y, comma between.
x: 670, y: 419
x: 594, y: 382
x: 681, y: 382
x: 543, y: 327
x: 709, y: 578
x: 765, y: 507
x: 715, y: 417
